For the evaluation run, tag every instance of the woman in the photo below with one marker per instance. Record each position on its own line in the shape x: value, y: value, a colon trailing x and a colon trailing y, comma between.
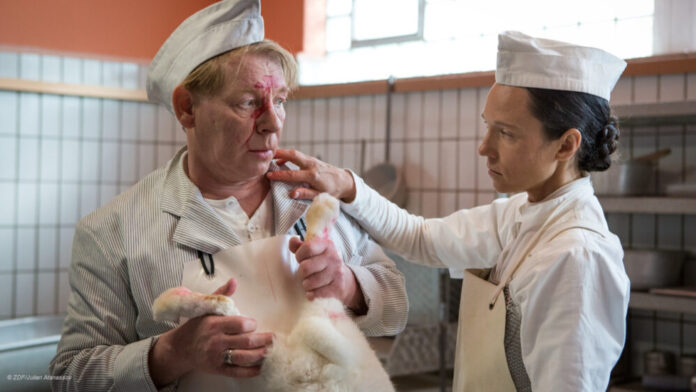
x: 559, y: 324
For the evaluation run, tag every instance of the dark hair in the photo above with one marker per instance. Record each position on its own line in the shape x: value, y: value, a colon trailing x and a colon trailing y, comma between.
x: 560, y: 111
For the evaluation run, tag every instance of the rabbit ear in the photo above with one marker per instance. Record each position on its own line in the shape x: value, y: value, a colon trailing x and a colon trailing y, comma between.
x: 320, y: 335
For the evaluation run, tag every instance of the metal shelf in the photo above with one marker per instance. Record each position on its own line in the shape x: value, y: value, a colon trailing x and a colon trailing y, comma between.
x: 415, y: 350
x: 666, y: 303
x: 665, y: 113
x: 631, y: 387
x: 649, y: 205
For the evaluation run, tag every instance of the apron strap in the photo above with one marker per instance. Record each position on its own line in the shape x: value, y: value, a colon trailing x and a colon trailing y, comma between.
x: 586, y: 225
x: 300, y: 228
x: 209, y: 265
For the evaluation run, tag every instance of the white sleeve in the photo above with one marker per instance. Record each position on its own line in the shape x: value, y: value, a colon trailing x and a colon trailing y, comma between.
x: 573, y: 300
x: 466, y: 239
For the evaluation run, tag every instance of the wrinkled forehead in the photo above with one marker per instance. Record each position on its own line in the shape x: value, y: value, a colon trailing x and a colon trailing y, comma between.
x: 256, y: 70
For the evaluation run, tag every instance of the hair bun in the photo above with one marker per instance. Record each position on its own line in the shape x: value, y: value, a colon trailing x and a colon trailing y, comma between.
x: 606, y: 142
x: 607, y: 139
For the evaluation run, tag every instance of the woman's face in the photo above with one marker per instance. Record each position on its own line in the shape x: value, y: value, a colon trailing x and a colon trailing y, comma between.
x: 520, y: 158
x: 237, y: 130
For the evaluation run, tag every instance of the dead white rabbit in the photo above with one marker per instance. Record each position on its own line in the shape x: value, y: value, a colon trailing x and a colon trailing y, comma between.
x: 324, y: 351
x: 321, y: 216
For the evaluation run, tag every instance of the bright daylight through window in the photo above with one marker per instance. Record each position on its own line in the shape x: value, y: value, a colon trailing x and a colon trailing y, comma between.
x: 375, y: 39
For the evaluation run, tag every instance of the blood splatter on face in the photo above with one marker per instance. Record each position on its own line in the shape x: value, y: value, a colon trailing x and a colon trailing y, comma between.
x: 267, y: 85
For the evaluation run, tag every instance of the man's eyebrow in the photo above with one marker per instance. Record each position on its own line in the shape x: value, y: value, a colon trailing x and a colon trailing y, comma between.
x: 283, y: 89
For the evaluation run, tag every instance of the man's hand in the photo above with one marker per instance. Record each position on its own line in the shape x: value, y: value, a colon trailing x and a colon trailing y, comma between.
x: 318, y: 175
x: 201, y: 343
x: 324, y: 274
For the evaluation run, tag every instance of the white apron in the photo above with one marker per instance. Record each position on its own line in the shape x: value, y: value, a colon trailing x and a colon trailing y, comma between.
x: 488, y: 354
x: 268, y: 290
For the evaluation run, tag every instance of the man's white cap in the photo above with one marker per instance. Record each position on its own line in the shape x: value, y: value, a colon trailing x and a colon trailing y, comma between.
x: 525, y: 61
x: 209, y: 32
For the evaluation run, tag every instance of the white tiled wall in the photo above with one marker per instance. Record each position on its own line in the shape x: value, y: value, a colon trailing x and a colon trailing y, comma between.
x: 434, y: 136
x: 61, y: 157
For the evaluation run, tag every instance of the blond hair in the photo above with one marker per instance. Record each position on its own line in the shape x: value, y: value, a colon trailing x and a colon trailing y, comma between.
x: 209, y: 77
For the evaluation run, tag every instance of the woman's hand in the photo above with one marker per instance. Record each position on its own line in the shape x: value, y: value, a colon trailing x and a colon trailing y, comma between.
x: 316, y: 175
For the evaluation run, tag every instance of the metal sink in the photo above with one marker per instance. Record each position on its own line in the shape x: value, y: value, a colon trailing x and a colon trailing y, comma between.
x: 27, y: 346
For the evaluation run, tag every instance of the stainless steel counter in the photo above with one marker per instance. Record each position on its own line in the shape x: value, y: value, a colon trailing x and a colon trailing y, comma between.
x: 27, y: 345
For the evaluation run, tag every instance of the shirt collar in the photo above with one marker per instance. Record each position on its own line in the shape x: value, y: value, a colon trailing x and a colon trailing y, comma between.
x: 571, y: 190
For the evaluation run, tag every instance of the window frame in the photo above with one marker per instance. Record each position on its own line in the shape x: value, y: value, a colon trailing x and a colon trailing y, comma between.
x: 418, y: 36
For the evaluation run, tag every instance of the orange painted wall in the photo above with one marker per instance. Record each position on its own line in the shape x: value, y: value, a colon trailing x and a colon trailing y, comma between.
x: 284, y: 20
x: 127, y: 29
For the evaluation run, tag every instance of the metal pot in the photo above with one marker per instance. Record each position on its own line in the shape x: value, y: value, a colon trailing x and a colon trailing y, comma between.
x: 657, y: 363
x: 687, y: 366
x: 689, y: 273
x: 651, y: 268
x: 635, y: 177
x: 386, y: 179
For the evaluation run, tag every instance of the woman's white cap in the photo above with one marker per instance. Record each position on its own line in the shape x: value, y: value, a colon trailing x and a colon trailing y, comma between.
x: 216, y: 29
x: 525, y: 61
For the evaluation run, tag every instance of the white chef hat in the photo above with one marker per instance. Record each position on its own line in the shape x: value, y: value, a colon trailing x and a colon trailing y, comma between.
x: 526, y: 61
x: 216, y: 29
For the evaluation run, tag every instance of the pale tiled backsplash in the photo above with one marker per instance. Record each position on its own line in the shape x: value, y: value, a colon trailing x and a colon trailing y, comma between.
x: 61, y: 157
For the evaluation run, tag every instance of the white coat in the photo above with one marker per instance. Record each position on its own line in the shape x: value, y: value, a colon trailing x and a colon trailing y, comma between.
x: 572, y: 290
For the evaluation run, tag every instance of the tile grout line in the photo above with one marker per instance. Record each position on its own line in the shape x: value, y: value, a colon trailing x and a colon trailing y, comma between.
x: 15, y: 222
x: 56, y: 261
x: 35, y: 299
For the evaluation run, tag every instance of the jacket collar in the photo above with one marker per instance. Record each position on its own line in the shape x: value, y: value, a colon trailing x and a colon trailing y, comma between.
x: 574, y: 190
x: 286, y: 211
x: 199, y: 226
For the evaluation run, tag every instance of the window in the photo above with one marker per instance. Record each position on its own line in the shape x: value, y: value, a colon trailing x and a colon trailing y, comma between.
x: 404, y: 21
x: 376, y: 39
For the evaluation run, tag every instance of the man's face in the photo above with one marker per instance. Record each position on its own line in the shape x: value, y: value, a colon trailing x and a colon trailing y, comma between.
x: 237, y: 130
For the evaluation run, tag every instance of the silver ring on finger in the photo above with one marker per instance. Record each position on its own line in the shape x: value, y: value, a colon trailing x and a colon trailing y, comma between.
x: 228, y: 357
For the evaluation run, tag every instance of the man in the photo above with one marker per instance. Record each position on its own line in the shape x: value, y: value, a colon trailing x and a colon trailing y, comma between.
x: 227, y: 87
